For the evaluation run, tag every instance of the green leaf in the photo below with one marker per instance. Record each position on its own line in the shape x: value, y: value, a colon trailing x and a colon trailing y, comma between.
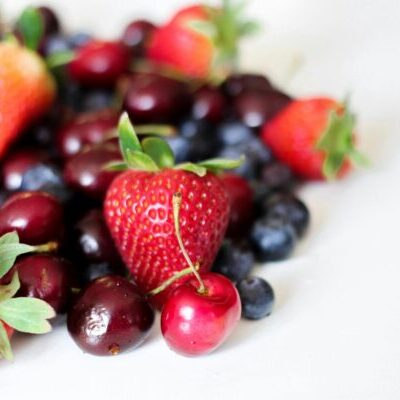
x: 59, y: 59
x: 141, y: 161
x: 27, y: 314
x: 218, y: 164
x: 10, y: 237
x: 9, y: 291
x: 5, y: 346
x: 116, y: 166
x: 30, y: 24
x: 9, y: 253
x: 159, y: 151
x: 249, y: 28
x: 191, y: 167
x: 206, y: 28
x: 155, y: 129
x: 128, y: 140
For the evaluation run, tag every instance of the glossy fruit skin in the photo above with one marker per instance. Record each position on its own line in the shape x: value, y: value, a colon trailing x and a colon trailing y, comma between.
x: 109, y: 317
x: 8, y: 329
x: 277, y: 176
x: 36, y: 216
x: 209, y: 104
x: 27, y: 91
x: 78, y: 39
x: 234, y: 260
x: 136, y: 36
x: 195, y: 324
x: 273, y: 239
x: 138, y: 212
x: 50, y: 20
x: 293, y: 133
x: 85, y: 171
x: 257, y: 297
x: 87, y: 128
x: 47, y: 278
x: 236, y: 84
x: 99, y: 63
x: 151, y: 98
x: 54, y: 44
x: 288, y: 207
x: 241, y: 199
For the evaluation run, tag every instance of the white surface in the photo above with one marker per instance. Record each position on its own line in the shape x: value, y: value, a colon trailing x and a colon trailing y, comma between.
x: 336, y: 326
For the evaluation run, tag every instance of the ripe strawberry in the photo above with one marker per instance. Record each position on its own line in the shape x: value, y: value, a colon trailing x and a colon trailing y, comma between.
x: 27, y: 91
x: 8, y: 329
x: 314, y: 137
x: 200, y: 40
x: 139, y: 212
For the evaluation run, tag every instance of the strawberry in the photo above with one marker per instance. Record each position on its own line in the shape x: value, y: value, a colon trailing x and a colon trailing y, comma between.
x: 200, y: 41
x: 139, y: 212
x: 314, y: 137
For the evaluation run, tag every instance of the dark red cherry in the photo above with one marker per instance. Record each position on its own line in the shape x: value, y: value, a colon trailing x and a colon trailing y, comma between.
x: 45, y: 277
x: 109, y: 317
x: 87, y: 128
x: 136, y: 36
x: 151, y: 98
x: 16, y: 164
x: 99, y: 63
x: 254, y: 108
x: 209, y: 104
x: 36, y: 216
x: 236, y: 84
x: 85, y: 171
x: 50, y: 20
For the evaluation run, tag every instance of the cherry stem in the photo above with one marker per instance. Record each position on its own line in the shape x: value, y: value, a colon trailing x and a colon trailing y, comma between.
x: 176, y: 204
x: 46, y: 248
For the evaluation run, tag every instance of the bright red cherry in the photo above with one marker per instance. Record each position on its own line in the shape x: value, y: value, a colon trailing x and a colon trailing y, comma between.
x: 195, y: 323
x: 87, y: 128
x: 36, y: 216
x: 99, y: 63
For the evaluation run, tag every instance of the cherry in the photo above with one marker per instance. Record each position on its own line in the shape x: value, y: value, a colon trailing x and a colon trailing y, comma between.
x: 241, y: 201
x: 151, y: 98
x: 209, y: 104
x: 235, y: 84
x: 195, y: 323
x: 110, y: 316
x: 99, y: 63
x: 50, y: 20
x: 85, y: 171
x: 16, y: 164
x: 136, y: 36
x: 36, y: 216
x: 87, y: 128
x: 45, y: 277
x: 254, y: 108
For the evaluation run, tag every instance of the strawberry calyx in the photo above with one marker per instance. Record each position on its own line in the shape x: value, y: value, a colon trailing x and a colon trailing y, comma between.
x: 337, y: 142
x: 154, y: 154
x: 23, y: 314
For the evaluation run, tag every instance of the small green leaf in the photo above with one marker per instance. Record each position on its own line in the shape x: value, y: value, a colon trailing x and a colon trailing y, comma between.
x: 116, y: 166
x: 218, y: 164
x: 141, y: 161
x: 27, y: 314
x: 249, y: 28
x: 159, y: 151
x: 155, y: 129
x: 191, y: 167
x: 9, y: 291
x: 59, y: 59
x: 128, y: 140
x: 205, y: 28
x: 9, y: 253
x: 10, y: 237
x: 30, y: 24
x: 5, y: 346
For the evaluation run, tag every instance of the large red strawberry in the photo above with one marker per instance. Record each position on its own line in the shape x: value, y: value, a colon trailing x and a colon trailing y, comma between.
x: 200, y: 41
x: 314, y: 137
x: 139, y: 210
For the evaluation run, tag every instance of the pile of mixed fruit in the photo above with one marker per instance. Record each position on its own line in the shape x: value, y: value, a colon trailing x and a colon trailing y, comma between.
x: 115, y: 200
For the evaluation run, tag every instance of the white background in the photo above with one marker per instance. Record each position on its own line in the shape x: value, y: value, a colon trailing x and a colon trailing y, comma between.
x: 335, y: 331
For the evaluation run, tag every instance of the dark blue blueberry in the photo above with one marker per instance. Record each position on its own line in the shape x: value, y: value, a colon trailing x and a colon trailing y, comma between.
x: 234, y: 260
x: 273, y: 239
x: 233, y: 133
x: 257, y: 297
x: 79, y: 39
x: 96, y: 99
x: 92, y: 271
x: 261, y: 191
x: 276, y: 176
x: 54, y: 44
x: 47, y: 178
x: 180, y: 147
x: 290, y: 208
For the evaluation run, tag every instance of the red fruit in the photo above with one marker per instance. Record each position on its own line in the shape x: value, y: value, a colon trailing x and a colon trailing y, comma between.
x: 138, y: 211
x: 136, y: 36
x: 27, y: 91
x: 8, y: 328
x: 196, y: 323
x: 195, y: 12
x: 241, y: 199
x: 209, y: 104
x: 314, y: 137
x: 99, y: 63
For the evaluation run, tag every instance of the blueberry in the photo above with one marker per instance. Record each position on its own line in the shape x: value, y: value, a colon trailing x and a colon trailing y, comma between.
x: 79, y: 39
x: 96, y: 99
x: 260, y: 192
x: 257, y: 297
x: 46, y: 178
x: 234, y: 260
x: 276, y: 176
x: 273, y: 239
x: 54, y: 44
x: 233, y: 133
x: 180, y: 147
x: 288, y: 207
